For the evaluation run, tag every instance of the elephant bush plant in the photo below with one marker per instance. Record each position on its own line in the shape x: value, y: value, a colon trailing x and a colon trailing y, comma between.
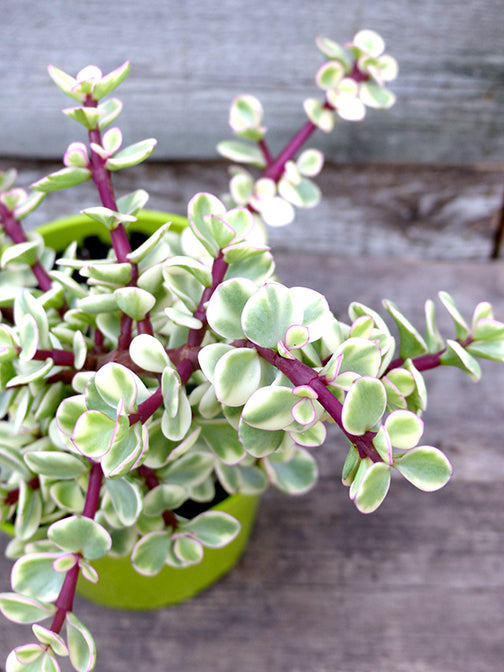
x: 137, y: 381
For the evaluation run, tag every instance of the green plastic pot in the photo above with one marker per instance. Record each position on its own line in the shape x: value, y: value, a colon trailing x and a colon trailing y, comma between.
x: 120, y: 586
x: 61, y: 232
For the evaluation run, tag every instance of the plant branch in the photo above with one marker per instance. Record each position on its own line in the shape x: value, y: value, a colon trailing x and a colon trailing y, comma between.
x: 275, y: 168
x: 13, y: 229
x: 428, y: 361
x: 124, y: 340
x: 301, y: 374
x: 219, y: 268
x: 265, y: 150
x: 59, y: 357
x: 65, y: 599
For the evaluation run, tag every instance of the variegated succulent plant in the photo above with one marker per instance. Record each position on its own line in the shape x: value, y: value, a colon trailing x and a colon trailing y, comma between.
x: 135, y: 382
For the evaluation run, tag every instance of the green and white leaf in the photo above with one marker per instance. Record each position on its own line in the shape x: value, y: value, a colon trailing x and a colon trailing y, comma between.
x: 304, y: 194
x: 376, y: 96
x: 329, y: 75
x: 81, y: 645
x: 373, y: 487
x: 149, y: 554
x: 404, y: 428
x: 493, y: 350
x: 79, y: 534
x: 21, y: 253
x: 461, y: 326
x: 259, y: 442
x: 237, y: 375
x: 22, y: 609
x: 28, y: 512
x: 127, y: 452
x: 225, y: 308
x: 364, y: 405
x: 164, y: 497
x: 51, y: 639
x: 310, y: 162
x: 269, y: 313
x: 132, y: 155
x: 223, y: 441
x: 488, y: 329
x: 55, y: 464
x: 134, y: 301
x: 33, y: 575
x: 426, y: 467
x: 148, y: 353
x: 270, y: 408
x: 319, y: 115
x: 88, y: 117
x: 187, y: 550
x: 176, y: 427
x: 433, y: 338
x: 190, y: 470
x: 457, y: 355
x: 213, y: 529
x: 334, y: 51
x: 294, y: 474
x: 242, y: 152
x: 109, y: 82
x: 126, y: 498
x: 109, y: 111
x: 411, y: 342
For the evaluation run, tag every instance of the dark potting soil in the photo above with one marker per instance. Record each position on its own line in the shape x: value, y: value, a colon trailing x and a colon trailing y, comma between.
x: 191, y: 509
x: 92, y: 247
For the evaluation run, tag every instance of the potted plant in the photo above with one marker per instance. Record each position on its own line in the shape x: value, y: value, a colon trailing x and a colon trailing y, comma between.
x: 151, y: 392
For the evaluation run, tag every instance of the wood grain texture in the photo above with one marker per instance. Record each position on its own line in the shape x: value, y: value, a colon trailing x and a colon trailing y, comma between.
x: 416, y: 587
x: 190, y: 58
x: 384, y: 211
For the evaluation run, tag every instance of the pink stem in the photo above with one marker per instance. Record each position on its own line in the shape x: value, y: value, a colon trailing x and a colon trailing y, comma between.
x: 59, y: 357
x: 13, y: 229
x: 65, y: 599
x: 301, y: 374
x: 275, y: 169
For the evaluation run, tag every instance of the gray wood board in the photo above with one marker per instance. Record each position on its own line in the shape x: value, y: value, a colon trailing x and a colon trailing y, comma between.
x: 191, y: 58
x: 416, y: 587
x: 383, y: 211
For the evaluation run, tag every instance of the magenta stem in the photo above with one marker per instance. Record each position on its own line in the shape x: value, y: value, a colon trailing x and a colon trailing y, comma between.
x: 14, y: 230
x: 65, y: 599
x: 266, y: 152
x: 422, y: 363
x: 219, y: 269
x: 275, y: 169
x: 103, y: 182
x: 147, y: 408
x: 301, y: 374
x: 429, y: 361
x: 59, y: 357
x: 124, y: 340
x: 144, y: 326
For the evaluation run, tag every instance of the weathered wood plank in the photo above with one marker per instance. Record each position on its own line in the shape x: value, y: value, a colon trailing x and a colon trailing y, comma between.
x: 416, y: 587
x: 190, y: 60
x: 323, y: 588
x: 384, y: 211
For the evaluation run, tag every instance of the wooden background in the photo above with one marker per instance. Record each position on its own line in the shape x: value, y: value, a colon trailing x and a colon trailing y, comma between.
x: 191, y: 57
x: 409, y: 208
